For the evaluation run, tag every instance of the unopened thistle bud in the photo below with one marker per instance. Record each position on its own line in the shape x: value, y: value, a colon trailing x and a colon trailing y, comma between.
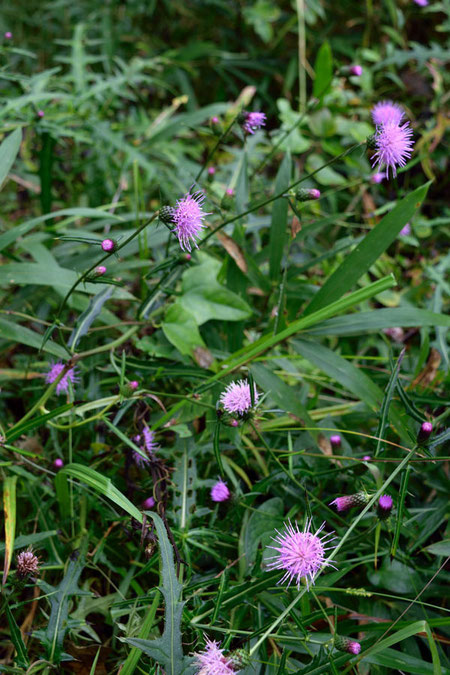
x: 58, y: 464
x: 335, y: 440
x: 108, y: 245
x: 27, y: 564
x: 305, y: 194
x: 350, y: 501
x: 216, y: 126
x: 384, y: 509
x: 425, y: 432
x: 40, y: 114
x: 148, y: 503
x: 100, y: 270
x: 166, y: 214
x: 129, y: 388
x: 227, y: 199
x: 345, y: 644
x: 356, y: 70
x: 240, y: 658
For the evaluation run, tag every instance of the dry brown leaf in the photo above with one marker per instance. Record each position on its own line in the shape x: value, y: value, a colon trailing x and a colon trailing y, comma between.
x: 233, y: 250
x: 203, y: 357
x: 296, y: 226
x: 427, y: 375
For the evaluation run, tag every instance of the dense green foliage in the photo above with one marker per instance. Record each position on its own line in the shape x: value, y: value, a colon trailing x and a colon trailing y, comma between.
x: 335, y: 315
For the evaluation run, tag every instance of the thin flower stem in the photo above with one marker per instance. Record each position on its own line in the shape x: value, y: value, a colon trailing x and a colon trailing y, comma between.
x: 280, y: 194
x: 330, y: 559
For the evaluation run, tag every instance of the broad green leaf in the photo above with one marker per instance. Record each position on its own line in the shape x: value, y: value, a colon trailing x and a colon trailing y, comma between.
x: 9, y: 508
x: 440, y: 548
x: 396, y: 577
x: 323, y: 69
x: 167, y: 649
x: 17, y: 640
x: 8, y: 153
x: 28, y: 425
x: 25, y: 336
x: 135, y: 654
x: 359, y: 261
x: 259, y: 527
x: 278, y: 227
x: 89, y: 315
x: 367, y: 322
x: 24, y: 540
x: 180, y: 328
x: 327, y: 175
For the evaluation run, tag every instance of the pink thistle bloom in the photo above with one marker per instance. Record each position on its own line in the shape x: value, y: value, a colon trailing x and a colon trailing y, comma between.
x: 385, y: 505
x: 63, y: 384
x: 220, y: 491
x: 188, y: 217
x: 421, y: 3
x: 386, y: 112
x: 345, y: 644
x: 8, y: 35
x: 211, y: 170
x: 356, y: 70
x: 377, y: 177
x: 27, y: 564
x: 253, y: 121
x: 58, y: 464
x: 212, y: 660
x: 299, y: 554
x: 335, y: 440
x: 229, y: 192
x: 149, y: 440
x: 236, y: 398
x: 425, y: 432
x: 234, y: 423
x: 148, y: 503
x: 147, y: 444
x: 393, y: 145
x: 108, y: 245
x: 214, y: 120
x: 350, y: 501
x: 134, y: 384
x: 405, y: 231
x: 40, y: 113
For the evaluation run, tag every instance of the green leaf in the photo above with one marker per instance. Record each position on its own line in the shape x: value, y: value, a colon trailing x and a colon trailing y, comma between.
x: 359, y: 261
x: 259, y: 527
x: 9, y: 507
x: 323, y: 69
x: 8, y: 153
x: 180, y: 328
x: 367, y: 322
x: 28, y: 425
x: 16, y: 638
x: 327, y: 175
x: 278, y: 227
x: 440, y: 548
x: 24, y: 540
x: 88, y: 317
x: 135, y: 654
x: 167, y: 649
x: 396, y: 577
x: 25, y: 336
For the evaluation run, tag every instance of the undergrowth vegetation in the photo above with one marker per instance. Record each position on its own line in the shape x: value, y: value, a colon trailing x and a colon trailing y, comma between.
x: 223, y: 337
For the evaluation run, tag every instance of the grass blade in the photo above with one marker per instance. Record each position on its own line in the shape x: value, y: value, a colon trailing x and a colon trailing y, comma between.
x: 9, y: 506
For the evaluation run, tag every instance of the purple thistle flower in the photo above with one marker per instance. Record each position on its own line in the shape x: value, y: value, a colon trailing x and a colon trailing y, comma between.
x: 377, y: 177
x: 229, y: 192
x: 58, y: 464
x: 236, y: 398
x: 214, y: 120
x: 385, y: 505
x: 27, y: 564
x: 299, y: 554
x: 211, y: 170
x: 63, y: 384
x: 188, y: 218
x: 147, y: 444
x: 149, y: 440
x: 421, y: 3
x: 386, y: 112
x: 212, y: 660
x: 220, y: 491
x: 335, y: 440
x: 108, y: 245
x: 405, y: 231
x: 253, y: 121
x: 393, y: 145
x: 356, y: 70
x: 345, y: 644
x: 350, y: 501
x: 148, y: 503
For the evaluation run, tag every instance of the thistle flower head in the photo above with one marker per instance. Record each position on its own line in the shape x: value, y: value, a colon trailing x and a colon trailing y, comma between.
x: 220, y: 491
x: 252, y: 121
x: 393, y: 146
x: 350, y: 501
x: 27, y: 564
x: 237, y: 399
x: 40, y: 113
x: 212, y: 660
x: 386, y: 112
x: 229, y: 192
x: 8, y: 35
x: 385, y: 505
x: 147, y: 444
x: 108, y: 245
x: 335, y: 440
x: 63, y: 384
x: 148, y: 503
x: 425, y: 432
x: 188, y: 217
x: 395, y: 332
x: 367, y: 458
x: 356, y: 70
x: 300, y: 554
x: 211, y: 170
x: 58, y: 464
x: 305, y: 194
x: 345, y: 644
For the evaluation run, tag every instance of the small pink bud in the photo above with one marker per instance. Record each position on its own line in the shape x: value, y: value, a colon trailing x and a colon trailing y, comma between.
x: 335, y: 440
x: 214, y: 120
x: 220, y: 491
x: 58, y: 464
x: 356, y: 70
x: 148, y: 503
x: 305, y: 194
x: 345, y: 644
x: 229, y: 192
x: 385, y: 504
x: 40, y: 113
x: 188, y: 257
x: 134, y: 384
x: 367, y: 458
x: 234, y: 423
x: 425, y: 432
x: 100, y: 270
x: 211, y: 170
x: 8, y: 35
x: 108, y: 245
x: 350, y: 501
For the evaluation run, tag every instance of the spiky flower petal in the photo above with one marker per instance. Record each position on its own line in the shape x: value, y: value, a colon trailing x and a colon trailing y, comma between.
x: 63, y: 384
x: 220, y: 491
x: 212, y: 661
x: 253, y: 121
x: 237, y: 398
x: 386, y: 112
x: 393, y: 146
x: 300, y: 554
x: 147, y: 444
x: 188, y: 217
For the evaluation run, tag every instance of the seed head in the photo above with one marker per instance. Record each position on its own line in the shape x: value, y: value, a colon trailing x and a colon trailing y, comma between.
x: 188, y: 218
x: 393, y: 146
x: 300, y: 554
x: 27, y: 564
x: 350, y: 501
x: 63, y: 384
x: 220, y: 491
x: 236, y: 398
x: 387, y: 112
